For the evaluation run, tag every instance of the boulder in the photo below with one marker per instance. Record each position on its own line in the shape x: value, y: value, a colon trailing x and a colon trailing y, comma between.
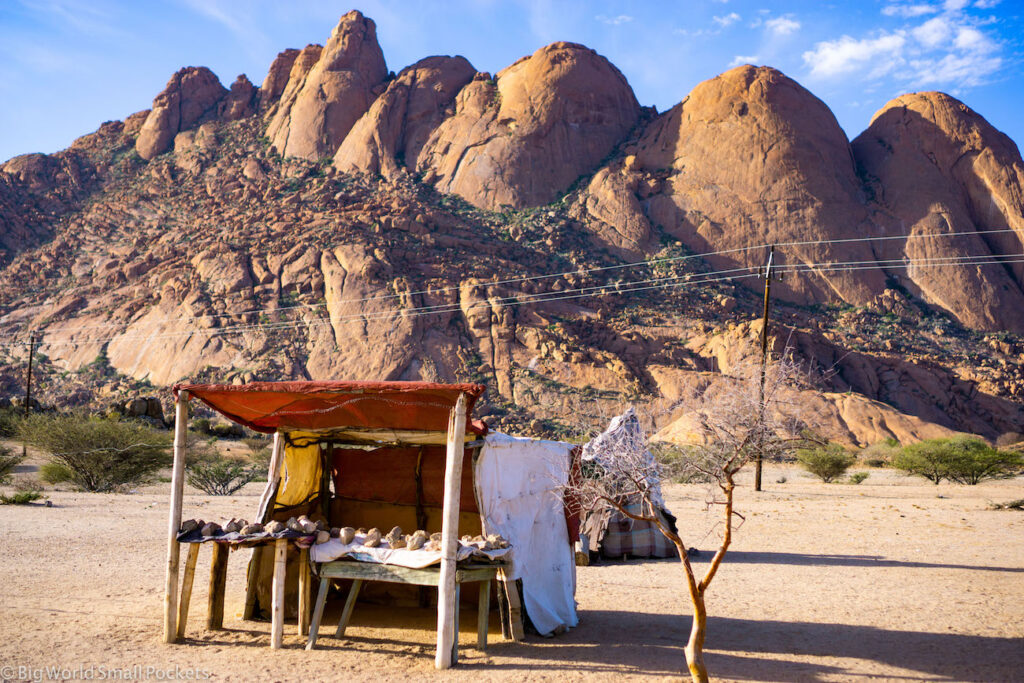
x: 525, y: 137
x: 313, y: 117
x: 277, y: 78
x: 751, y: 158
x: 191, y: 94
x: 239, y: 101
x: 392, y: 133
x: 939, y: 167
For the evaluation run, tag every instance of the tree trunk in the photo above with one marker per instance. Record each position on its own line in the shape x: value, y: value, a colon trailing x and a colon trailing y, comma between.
x: 695, y: 646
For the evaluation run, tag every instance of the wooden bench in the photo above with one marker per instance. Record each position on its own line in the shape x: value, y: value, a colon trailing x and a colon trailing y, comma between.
x: 429, y: 576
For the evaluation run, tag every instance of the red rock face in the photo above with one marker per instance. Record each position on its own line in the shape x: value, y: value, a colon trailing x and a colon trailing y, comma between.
x: 938, y: 167
x: 392, y: 133
x: 277, y: 78
x: 752, y: 158
x: 239, y: 101
x: 524, y: 138
x: 190, y: 94
x: 314, y: 116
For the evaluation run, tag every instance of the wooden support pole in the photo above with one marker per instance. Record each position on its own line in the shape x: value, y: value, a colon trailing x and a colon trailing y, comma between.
x: 318, y: 613
x: 174, y: 518
x: 446, y: 589
x: 304, y: 584
x: 350, y: 604
x: 218, y: 580
x: 252, y: 578
x: 483, y: 615
x: 186, y: 588
x: 277, y: 597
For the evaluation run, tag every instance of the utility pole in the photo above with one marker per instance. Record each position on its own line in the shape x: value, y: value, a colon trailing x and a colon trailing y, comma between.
x: 28, y: 383
x: 768, y: 274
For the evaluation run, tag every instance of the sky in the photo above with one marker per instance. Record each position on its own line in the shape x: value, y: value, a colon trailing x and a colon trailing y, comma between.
x: 66, y: 66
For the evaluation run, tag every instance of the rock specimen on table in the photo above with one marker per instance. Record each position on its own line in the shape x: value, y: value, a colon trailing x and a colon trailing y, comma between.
x: 495, y: 541
x: 304, y: 525
x: 275, y: 527
x: 322, y: 536
x: 254, y: 528
x: 372, y: 538
x: 361, y: 530
x: 233, y: 525
x: 395, y: 537
x: 346, y: 535
x: 321, y: 525
x: 293, y: 524
x: 211, y: 529
x: 417, y: 540
x: 436, y: 536
x: 190, y: 525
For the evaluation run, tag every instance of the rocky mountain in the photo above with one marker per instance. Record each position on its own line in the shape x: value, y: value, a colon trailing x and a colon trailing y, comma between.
x: 537, y: 230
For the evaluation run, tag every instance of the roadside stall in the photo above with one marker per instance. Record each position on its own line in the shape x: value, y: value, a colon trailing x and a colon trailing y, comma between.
x: 353, y: 459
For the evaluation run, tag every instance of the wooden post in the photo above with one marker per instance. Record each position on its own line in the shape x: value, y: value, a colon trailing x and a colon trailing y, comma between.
x: 28, y: 385
x: 446, y: 588
x: 218, y: 579
x: 277, y: 597
x: 186, y: 588
x: 174, y: 520
x: 769, y: 275
x: 266, y: 507
x: 483, y: 614
x: 304, y: 581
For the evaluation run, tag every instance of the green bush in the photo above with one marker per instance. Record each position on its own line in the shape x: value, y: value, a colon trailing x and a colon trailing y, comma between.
x: 8, y: 461
x: 858, y: 477
x: 827, y: 462
x: 54, y: 472
x: 9, y: 419
x: 259, y: 449
x: 217, y: 474
x: 880, y: 454
x: 961, y: 459
x: 21, y: 497
x: 98, y: 454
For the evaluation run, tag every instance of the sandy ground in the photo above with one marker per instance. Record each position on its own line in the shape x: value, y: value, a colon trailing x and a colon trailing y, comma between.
x: 893, y: 579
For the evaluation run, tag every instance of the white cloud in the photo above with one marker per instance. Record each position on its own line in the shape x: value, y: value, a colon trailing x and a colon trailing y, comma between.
x: 952, y: 50
x: 965, y: 71
x: 730, y: 18
x: 782, y: 26
x: 973, y: 40
x: 986, y: 4
x: 909, y: 11
x: 847, y: 55
x: 614, y: 21
x: 934, y: 32
x: 739, y: 60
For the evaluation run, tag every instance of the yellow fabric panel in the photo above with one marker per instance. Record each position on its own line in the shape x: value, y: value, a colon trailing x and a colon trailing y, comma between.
x: 301, y: 474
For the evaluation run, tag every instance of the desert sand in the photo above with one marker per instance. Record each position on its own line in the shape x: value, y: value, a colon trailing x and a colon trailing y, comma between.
x: 893, y: 579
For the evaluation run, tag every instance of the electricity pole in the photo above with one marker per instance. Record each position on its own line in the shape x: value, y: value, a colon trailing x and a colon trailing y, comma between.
x: 28, y: 383
x: 768, y: 275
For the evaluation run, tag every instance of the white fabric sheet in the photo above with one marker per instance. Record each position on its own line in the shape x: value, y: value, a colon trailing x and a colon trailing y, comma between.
x: 383, y: 554
x: 519, y: 486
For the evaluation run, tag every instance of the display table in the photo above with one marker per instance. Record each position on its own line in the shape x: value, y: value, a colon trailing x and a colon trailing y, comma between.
x: 359, y: 572
x: 218, y: 579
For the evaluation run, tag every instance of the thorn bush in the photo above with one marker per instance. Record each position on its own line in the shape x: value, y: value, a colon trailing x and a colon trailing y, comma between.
x: 827, y: 462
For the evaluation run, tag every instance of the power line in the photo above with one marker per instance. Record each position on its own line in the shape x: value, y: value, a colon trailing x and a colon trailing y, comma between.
x: 531, y: 278
x: 578, y: 293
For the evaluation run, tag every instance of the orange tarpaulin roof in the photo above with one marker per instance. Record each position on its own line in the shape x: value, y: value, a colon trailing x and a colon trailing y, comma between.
x: 270, y: 406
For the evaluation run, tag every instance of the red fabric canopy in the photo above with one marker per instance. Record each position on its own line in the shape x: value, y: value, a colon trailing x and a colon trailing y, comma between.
x: 270, y: 406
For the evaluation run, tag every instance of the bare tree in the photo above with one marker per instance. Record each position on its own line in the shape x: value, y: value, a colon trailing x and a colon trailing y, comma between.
x: 731, y: 420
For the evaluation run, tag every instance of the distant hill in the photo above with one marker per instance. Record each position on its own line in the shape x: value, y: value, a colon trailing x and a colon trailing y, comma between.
x: 344, y: 221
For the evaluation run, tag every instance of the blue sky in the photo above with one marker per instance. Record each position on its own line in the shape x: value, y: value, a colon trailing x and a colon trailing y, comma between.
x: 68, y: 65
